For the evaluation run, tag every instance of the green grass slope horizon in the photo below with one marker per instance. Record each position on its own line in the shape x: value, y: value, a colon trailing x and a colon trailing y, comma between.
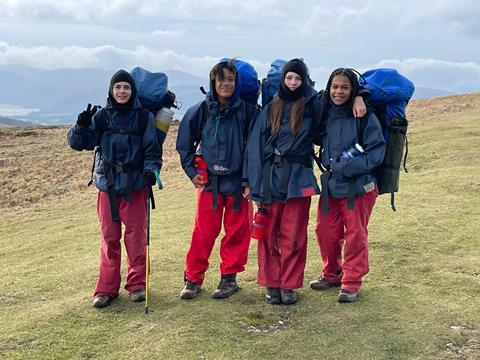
x: 421, y: 299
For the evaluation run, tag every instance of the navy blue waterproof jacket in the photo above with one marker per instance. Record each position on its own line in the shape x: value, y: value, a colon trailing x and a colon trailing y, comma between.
x: 342, y: 132
x: 222, y: 140
x: 296, y: 149
x: 121, y: 143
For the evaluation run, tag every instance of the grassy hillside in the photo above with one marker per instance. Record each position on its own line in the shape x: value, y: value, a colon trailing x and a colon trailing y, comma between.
x: 421, y: 299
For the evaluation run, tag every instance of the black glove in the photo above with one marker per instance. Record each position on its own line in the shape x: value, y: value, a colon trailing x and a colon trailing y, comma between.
x: 85, y: 117
x: 150, y: 178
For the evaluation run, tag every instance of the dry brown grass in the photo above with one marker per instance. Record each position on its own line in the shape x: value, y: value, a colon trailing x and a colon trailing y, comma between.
x: 36, y: 165
x: 424, y: 109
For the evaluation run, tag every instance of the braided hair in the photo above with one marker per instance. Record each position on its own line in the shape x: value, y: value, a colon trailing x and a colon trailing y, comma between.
x: 351, y: 76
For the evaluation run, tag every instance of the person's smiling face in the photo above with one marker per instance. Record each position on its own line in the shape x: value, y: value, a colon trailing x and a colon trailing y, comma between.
x: 122, y: 91
x: 340, y: 90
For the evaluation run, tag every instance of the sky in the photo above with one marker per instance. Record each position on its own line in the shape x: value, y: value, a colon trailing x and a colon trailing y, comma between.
x: 434, y: 43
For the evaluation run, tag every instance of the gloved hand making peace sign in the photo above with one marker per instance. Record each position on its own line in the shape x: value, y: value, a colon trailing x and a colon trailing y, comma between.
x: 85, y: 117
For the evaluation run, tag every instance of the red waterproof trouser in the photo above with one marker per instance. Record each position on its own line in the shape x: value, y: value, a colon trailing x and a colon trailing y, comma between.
x: 345, y: 228
x: 133, y: 215
x: 282, y: 253
x: 208, y: 223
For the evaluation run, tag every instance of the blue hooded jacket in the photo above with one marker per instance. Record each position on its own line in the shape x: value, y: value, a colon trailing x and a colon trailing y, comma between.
x: 122, y: 144
x: 341, y: 134
x: 296, y: 149
x: 222, y: 138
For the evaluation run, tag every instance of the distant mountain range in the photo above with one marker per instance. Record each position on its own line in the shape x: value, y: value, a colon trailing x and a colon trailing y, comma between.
x: 427, y: 93
x: 8, y: 122
x: 61, y: 94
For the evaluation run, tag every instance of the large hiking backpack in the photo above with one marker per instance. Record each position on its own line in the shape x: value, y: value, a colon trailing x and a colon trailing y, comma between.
x: 271, y: 83
x: 390, y: 93
x: 152, y: 90
x: 153, y: 93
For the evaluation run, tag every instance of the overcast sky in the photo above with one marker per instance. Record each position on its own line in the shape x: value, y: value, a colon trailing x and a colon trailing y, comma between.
x: 435, y: 43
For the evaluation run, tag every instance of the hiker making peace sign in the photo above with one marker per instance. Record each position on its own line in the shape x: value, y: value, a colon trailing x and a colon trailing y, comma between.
x: 127, y: 154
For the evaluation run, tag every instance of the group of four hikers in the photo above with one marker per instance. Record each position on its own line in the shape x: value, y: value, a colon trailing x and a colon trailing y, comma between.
x: 251, y: 155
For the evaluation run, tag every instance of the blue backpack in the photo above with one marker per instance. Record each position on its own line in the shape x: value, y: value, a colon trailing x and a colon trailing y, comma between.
x: 153, y: 93
x: 390, y: 93
x: 271, y: 83
x: 152, y: 90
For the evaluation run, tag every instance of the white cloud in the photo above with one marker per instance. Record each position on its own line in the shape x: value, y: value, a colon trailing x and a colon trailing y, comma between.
x: 81, y: 11
x: 105, y: 57
x: 226, y: 29
x: 323, y: 21
x: 459, y: 16
x: 446, y: 75
x: 123, y: 10
x: 169, y: 34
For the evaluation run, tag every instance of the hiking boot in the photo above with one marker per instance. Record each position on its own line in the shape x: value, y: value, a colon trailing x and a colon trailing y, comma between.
x: 289, y: 296
x: 346, y: 296
x: 227, y: 287
x: 137, y: 295
x: 190, y: 290
x: 102, y: 300
x: 323, y: 284
x: 272, y: 296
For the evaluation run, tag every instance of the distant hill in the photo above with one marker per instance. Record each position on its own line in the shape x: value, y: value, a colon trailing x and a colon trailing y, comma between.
x: 61, y: 94
x: 8, y: 122
x: 427, y: 93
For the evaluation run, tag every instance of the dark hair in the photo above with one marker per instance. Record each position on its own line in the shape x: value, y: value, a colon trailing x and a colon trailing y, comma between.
x: 217, y: 70
x: 351, y: 76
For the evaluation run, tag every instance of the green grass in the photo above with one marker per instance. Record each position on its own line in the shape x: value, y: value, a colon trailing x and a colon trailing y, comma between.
x: 421, y: 299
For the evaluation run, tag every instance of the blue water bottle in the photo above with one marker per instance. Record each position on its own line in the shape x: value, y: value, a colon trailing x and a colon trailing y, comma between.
x: 352, y: 152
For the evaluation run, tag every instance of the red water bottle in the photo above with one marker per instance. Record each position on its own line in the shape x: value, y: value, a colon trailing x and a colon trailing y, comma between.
x: 201, y: 166
x: 260, y: 223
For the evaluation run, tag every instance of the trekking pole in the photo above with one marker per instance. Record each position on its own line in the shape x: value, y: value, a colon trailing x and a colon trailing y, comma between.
x: 147, y: 260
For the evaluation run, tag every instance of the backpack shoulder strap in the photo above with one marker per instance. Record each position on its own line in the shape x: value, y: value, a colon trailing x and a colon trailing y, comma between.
x: 202, y: 115
x: 143, y: 116
x: 103, y: 121
x: 249, y: 112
